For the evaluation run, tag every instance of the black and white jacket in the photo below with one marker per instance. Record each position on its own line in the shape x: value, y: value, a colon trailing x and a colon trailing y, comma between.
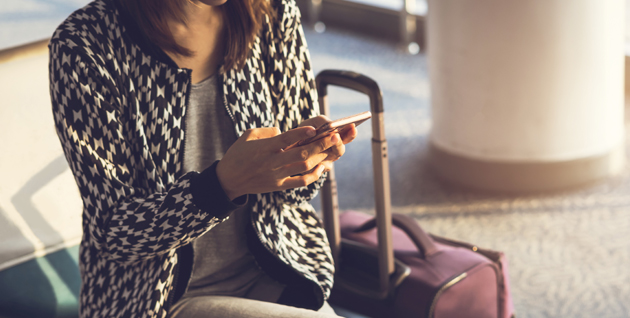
x: 119, y: 104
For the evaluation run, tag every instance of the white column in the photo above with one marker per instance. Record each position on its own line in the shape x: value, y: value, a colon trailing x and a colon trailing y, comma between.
x: 528, y: 81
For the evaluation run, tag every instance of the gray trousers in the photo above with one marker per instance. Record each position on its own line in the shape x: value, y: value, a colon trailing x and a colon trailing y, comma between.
x: 237, y: 307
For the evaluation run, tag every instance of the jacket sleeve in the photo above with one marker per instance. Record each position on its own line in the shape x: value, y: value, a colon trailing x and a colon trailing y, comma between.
x: 122, y: 218
x: 295, y: 84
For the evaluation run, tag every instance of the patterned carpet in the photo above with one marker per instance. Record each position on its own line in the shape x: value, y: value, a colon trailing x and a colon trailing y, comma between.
x: 569, y: 252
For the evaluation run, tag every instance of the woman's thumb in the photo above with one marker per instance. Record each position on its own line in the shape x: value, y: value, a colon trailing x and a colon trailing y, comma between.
x: 291, y: 137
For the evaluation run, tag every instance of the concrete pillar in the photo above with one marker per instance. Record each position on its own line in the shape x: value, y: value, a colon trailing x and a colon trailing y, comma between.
x: 527, y: 95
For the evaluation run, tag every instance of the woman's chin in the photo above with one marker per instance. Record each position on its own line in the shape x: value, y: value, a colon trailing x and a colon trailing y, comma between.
x: 213, y: 3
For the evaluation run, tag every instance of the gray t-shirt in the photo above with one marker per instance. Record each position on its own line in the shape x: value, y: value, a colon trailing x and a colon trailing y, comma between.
x: 222, y: 262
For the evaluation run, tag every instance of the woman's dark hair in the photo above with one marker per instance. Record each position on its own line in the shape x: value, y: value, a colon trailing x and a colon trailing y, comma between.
x: 244, y: 19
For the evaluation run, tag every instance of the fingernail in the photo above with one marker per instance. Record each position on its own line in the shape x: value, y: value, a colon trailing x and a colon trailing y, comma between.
x: 310, y: 132
x: 335, y: 139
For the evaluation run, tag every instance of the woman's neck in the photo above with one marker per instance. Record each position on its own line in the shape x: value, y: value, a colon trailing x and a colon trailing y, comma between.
x: 203, y: 32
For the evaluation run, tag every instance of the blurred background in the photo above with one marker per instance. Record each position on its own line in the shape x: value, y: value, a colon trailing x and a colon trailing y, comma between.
x: 505, y: 121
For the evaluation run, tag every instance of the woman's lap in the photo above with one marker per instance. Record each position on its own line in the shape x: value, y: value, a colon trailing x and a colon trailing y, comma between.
x: 237, y: 307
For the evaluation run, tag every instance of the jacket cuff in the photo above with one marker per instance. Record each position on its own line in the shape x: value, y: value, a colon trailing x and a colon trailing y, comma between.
x: 209, y: 196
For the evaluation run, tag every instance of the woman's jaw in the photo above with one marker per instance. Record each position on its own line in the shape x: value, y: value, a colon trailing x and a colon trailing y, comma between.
x: 213, y: 3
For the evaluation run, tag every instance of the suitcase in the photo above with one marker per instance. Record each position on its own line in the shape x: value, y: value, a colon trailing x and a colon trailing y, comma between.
x: 387, y: 266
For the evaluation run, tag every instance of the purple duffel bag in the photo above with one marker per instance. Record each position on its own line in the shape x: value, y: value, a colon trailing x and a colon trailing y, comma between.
x: 387, y: 266
x: 446, y: 278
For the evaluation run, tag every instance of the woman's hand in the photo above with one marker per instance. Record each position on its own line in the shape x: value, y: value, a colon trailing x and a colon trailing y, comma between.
x: 256, y: 163
x: 347, y: 134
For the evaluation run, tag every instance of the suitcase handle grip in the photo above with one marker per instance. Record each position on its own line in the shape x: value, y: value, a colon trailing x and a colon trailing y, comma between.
x: 425, y: 244
x: 353, y: 81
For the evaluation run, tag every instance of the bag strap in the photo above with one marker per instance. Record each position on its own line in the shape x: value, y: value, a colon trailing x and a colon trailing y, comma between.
x: 425, y: 244
x: 330, y: 206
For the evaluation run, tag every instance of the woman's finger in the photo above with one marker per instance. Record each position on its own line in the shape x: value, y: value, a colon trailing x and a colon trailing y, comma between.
x: 315, y: 121
x: 303, y: 153
x: 324, y: 143
x: 301, y: 167
x: 348, y: 133
x: 260, y: 133
x: 336, y: 151
x: 292, y: 136
x: 305, y: 179
x: 327, y: 165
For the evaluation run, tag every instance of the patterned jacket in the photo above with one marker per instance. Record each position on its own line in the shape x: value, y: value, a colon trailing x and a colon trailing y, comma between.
x: 119, y: 104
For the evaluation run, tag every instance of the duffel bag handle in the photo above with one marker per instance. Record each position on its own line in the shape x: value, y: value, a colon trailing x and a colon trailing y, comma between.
x: 425, y: 244
x: 330, y: 206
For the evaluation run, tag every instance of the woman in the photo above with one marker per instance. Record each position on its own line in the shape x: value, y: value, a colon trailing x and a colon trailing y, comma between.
x: 145, y: 94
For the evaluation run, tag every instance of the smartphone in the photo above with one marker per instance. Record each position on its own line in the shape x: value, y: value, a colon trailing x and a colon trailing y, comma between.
x: 333, y: 127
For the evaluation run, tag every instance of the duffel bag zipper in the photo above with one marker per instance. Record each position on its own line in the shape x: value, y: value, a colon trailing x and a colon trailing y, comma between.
x: 498, y: 268
x: 443, y: 289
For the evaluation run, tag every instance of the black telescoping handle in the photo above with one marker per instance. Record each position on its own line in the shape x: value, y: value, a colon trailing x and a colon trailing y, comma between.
x: 368, y: 86
x: 353, y: 81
